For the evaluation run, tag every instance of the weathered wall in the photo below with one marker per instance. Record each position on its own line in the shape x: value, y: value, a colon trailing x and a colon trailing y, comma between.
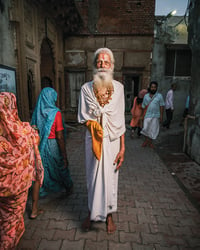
x: 7, y: 55
x: 128, y: 51
x: 126, y: 27
x: 193, y: 130
x: 117, y: 17
x: 170, y: 33
x: 123, y: 26
x: 24, y: 25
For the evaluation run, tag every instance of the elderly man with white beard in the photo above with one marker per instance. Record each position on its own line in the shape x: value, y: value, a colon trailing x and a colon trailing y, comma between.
x: 101, y: 109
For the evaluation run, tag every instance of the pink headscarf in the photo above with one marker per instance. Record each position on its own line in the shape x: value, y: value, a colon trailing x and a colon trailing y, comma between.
x: 20, y: 161
x: 142, y: 93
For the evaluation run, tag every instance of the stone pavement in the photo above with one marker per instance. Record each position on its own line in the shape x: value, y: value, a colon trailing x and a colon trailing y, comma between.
x: 153, y: 211
x: 185, y: 171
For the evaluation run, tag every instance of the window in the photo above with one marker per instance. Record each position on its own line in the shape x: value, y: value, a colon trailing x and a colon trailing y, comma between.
x: 178, y: 62
x: 76, y: 79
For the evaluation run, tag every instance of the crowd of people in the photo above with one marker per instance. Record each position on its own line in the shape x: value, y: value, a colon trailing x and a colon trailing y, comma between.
x: 33, y: 155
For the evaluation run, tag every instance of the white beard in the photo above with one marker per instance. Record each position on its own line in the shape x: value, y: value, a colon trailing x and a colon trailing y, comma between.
x: 103, y: 78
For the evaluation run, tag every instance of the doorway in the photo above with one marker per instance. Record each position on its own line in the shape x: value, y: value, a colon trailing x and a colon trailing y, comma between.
x: 131, y: 89
x: 74, y: 81
x: 47, y: 67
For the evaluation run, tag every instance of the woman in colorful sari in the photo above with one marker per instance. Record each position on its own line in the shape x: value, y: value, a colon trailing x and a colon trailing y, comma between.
x: 20, y: 164
x: 48, y: 119
x: 137, y: 111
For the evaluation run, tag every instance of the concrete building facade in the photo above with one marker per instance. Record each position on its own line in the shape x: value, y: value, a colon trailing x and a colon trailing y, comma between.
x: 171, y: 62
x: 192, y: 132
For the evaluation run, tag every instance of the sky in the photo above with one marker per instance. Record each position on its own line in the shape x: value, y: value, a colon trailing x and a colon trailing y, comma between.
x: 163, y: 7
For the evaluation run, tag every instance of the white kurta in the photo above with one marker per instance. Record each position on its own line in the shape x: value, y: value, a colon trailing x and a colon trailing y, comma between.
x: 102, y: 180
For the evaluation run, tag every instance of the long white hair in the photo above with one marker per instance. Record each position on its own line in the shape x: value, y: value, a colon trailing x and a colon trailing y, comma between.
x: 106, y: 51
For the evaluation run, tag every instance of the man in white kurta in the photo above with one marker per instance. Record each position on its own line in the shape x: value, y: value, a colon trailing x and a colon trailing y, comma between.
x: 169, y: 106
x: 102, y: 174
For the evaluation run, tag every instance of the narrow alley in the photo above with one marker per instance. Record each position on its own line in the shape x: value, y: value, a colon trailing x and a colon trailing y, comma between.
x: 153, y: 211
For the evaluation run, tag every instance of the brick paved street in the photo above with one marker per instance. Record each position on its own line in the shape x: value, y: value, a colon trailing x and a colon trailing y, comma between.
x: 153, y: 211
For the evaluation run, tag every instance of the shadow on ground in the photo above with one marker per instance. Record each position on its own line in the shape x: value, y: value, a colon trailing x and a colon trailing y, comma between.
x: 186, y: 172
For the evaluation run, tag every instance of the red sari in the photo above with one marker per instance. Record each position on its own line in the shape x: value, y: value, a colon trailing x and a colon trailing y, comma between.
x: 20, y: 164
x: 136, y: 112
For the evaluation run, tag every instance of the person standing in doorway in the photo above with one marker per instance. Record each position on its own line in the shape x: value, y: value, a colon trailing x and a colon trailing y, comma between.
x: 169, y: 106
x: 101, y: 109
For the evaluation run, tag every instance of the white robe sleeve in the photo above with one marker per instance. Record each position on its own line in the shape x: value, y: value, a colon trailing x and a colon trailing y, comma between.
x: 88, y: 108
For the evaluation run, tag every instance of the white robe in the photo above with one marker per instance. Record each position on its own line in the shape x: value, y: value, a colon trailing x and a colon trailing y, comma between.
x: 102, y: 180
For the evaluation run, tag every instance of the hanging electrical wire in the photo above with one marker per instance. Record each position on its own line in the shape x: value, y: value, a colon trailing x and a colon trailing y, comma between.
x: 185, y: 17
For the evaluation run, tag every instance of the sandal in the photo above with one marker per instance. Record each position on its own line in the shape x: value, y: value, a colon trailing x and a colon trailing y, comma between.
x: 151, y: 145
x: 145, y: 143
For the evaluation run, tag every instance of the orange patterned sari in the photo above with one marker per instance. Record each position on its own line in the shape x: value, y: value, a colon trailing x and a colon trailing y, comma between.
x: 20, y: 164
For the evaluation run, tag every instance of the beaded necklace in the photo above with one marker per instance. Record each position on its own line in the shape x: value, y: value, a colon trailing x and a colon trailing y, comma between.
x: 103, y: 95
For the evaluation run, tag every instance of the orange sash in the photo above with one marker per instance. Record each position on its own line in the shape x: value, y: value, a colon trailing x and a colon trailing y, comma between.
x: 97, y: 137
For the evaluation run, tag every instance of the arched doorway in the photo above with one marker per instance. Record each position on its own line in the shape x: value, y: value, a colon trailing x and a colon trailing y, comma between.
x: 46, y: 82
x: 47, y: 66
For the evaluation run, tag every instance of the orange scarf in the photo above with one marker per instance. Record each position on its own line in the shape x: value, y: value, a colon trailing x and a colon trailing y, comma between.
x: 97, y: 137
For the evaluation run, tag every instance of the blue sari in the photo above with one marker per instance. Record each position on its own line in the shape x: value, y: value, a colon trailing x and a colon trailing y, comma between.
x: 56, y: 177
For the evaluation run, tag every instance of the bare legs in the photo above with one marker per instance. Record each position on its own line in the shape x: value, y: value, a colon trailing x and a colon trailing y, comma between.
x: 110, y: 225
x: 35, y: 198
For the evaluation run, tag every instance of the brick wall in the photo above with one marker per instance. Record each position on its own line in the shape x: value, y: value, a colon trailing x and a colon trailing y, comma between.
x: 118, y: 16
x: 124, y: 26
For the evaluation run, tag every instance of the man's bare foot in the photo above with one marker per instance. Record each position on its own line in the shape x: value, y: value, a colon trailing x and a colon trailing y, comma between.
x: 111, y: 227
x: 86, y: 225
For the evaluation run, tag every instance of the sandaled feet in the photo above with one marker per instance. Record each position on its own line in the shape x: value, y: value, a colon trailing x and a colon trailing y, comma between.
x: 145, y: 143
x: 86, y: 225
x: 151, y: 145
x: 35, y: 214
x: 132, y: 134
x: 111, y: 227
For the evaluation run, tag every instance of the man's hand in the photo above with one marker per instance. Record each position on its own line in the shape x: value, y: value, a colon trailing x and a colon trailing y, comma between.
x: 119, y: 159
